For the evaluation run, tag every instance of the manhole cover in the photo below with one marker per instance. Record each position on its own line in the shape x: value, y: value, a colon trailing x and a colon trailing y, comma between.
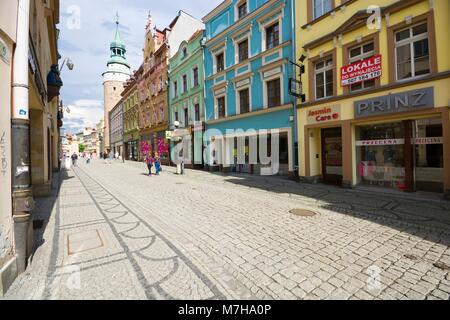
x: 411, y: 257
x: 303, y: 213
x: 38, y: 224
x: 442, y: 266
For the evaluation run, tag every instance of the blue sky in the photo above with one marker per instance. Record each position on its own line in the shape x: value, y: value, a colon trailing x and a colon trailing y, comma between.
x: 87, y: 45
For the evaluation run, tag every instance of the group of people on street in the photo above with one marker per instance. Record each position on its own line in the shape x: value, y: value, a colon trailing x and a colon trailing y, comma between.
x: 153, y: 159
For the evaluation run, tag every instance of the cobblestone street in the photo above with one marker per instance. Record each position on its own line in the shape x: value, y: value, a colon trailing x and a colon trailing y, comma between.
x: 111, y: 232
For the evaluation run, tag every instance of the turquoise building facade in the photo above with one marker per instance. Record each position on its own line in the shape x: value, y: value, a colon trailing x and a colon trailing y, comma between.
x: 248, y: 49
x: 186, y: 101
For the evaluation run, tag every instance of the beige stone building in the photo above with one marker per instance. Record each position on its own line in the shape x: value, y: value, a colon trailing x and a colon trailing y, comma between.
x: 29, y: 148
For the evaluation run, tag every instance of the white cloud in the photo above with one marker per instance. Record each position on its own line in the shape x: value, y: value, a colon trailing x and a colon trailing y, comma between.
x: 83, y: 113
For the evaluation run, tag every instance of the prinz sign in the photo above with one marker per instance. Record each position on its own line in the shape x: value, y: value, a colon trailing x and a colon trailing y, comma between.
x: 395, y: 103
x: 361, y: 71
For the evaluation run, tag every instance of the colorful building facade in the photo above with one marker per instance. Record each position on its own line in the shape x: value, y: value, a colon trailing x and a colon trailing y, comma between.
x: 186, y: 100
x: 160, y: 46
x: 248, y: 48
x: 377, y: 101
x: 131, y: 119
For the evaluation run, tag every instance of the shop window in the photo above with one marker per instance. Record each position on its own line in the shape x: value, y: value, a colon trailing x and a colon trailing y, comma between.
x: 412, y: 52
x: 321, y: 7
x: 244, y: 101
x: 324, y: 78
x: 380, y: 155
x: 272, y: 36
x: 274, y: 93
x: 359, y: 53
x: 243, y: 50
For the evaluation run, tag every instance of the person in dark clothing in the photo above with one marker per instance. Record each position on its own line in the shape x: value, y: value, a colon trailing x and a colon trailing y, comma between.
x: 74, y: 159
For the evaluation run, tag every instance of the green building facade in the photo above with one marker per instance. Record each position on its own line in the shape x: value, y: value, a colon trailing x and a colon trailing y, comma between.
x: 186, y: 101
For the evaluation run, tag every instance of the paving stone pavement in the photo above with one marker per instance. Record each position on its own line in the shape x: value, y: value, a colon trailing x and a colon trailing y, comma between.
x: 112, y: 232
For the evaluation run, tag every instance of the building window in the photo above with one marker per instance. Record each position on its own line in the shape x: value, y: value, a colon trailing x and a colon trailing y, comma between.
x: 185, y: 85
x: 321, y: 7
x: 412, y: 52
x: 244, y: 101
x: 359, y: 53
x: 272, y: 36
x: 243, y: 50
x: 242, y: 10
x: 186, y: 116
x: 195, y: 72
x: 176, y: 116
x: 324, y: 78
x: 274, y: 93
x: 175, y: 89
x: 184, y: 52
x: 161, y: 114
x: 221, y: 112
x: 197, y: 112
x: 220, y: 62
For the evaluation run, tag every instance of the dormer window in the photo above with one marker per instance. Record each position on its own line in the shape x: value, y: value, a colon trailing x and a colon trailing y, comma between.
x: 242, y: 9
x: 184, y: 53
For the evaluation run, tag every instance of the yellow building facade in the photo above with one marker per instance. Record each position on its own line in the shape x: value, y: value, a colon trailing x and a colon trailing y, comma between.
x: 376, y: 84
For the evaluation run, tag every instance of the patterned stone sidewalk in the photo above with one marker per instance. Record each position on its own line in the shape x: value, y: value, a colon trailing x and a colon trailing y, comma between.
x: 116, y: 233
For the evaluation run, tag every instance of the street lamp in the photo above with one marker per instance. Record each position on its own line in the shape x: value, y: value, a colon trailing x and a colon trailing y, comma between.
x: 67, y: 61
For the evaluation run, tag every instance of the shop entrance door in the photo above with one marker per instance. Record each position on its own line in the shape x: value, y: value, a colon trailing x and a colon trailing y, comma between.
x: 332, y: 155
x: 429, y: 155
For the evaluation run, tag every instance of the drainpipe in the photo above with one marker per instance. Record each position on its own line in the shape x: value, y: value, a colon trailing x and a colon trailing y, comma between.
x: 22, y: 196
x: 294, y: 58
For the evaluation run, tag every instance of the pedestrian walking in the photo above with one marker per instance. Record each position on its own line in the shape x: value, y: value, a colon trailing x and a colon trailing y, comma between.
x: 74, y: 159
x: 88, y: 158
x: 150, y: 161
x: 157, y: 164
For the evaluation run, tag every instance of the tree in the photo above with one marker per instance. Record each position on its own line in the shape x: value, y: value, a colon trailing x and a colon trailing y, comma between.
x: 81, y: 148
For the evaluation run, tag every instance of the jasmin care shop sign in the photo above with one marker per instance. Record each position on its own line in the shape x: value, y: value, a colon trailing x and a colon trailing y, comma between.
x: 325, y: 114
x: 361, y: 71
